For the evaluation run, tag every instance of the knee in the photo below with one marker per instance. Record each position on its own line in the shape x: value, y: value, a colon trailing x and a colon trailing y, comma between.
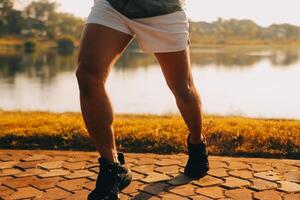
x: 87, y: 80
x: 184, y: 92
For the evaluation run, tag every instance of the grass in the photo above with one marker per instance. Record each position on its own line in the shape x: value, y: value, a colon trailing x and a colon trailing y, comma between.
x: 149, y: 133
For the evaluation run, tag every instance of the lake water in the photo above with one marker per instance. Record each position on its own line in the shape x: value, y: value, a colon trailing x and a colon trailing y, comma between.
x: 254, y: 82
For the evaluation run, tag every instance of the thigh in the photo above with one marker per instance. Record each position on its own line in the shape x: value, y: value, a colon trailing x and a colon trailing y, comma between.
x: 176, y: 67
x: 100, y: 47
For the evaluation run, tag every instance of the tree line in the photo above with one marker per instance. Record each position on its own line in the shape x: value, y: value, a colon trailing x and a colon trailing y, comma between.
x: 40, y: 19
x: 243, y: 31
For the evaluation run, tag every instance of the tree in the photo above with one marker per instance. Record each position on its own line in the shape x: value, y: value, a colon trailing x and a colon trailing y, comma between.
x: 6, y: 7
x: 40, y: 16
x: 68, y: 24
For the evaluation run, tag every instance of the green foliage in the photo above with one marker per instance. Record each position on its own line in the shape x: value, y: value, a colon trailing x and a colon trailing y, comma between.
x: 65, y: 44
x: 10, y: 19
x: 39, y: 19
x: 242, y: 32
x: 30, y: 45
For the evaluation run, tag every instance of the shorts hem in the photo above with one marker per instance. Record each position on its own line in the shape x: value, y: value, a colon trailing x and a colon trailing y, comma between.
x: 104, y: 23
x: 166, y: 50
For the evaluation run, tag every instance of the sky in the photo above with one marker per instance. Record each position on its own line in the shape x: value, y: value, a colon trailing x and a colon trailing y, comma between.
x: 263, y: 12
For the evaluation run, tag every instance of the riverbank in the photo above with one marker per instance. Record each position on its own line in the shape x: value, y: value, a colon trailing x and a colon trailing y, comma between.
x: 17, y: 42
x: 150, y: 133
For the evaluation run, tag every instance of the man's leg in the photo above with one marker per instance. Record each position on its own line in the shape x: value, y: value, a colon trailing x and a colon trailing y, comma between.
x: 176, y: 67
x: 100, y: 48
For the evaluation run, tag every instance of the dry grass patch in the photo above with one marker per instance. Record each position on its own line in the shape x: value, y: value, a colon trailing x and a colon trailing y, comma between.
x: 150, y: 133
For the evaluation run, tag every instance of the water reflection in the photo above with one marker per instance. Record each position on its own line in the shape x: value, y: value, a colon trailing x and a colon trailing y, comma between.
x: 43, y: 65
x: 47, y: 64
x: 251, y: 79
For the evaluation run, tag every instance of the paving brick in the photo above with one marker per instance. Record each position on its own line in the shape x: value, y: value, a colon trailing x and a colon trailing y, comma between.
x: 146, y: 161
x: 36, y: 157
x: 137, y: 176
x: 214, y: 192
x: 55, y: 172
x: 260, y: 167
x: 293, y: 176
x: 168, y: 162
x: 4, y: 157
x: 287, y: 186
x: 74, y: 166
x: 8, y: 157
x: 26, y: 165
x: 245, y: 174
x: 26, y: 192
x: 239, y: 194
x: 269, y: 175
x: 155, y: 177
x: 54, y: 193
x: 58, y: 158
x: 144, y: 169
x: 259, y: 184
x: 132, y: 188
x: 217, y: 164
x: 218, y: 172
x: 8, y: 164
x: 282, y: 168
x: 46, y: 183
x: 9, y: 172
x: 89, y: 185
x: 168, y: 169
x: 20, y: 182
x: 144, y: 196
x: 238, y: 165
x: 5, y: 191
x: 128, y: 165
x: 79, y: 195
x: 208, y: 181
x: 93, y: 177
x: 186, y: 190
x: 78, y: 159
x: 71, y: 185
x: 124, y: 197
x: 51, y: 165
x: 292, y: 196
x: 130, y: 160
x: 4, y: 179
x: 79, y: 174
x: 180, y: 180
x: 30, y: 172
x: 155, y: 188
x: 200, y: 197
x: 169, y: 196
x: 232, y: 182
x: 95, y: 169
x: 267, y: 195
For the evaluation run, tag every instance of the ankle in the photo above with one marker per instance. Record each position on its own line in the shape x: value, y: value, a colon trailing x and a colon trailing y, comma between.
x: 196, y: 139
x: 112, y: 157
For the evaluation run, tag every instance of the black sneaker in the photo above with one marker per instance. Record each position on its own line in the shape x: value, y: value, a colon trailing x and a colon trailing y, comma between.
x: 111, y: 180
x: 197, y: 164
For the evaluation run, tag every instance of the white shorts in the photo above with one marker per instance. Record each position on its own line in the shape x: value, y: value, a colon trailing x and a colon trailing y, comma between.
x: 164, y: 33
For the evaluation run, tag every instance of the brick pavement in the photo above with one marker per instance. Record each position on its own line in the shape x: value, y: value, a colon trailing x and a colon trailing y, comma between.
x: 46, y: 175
